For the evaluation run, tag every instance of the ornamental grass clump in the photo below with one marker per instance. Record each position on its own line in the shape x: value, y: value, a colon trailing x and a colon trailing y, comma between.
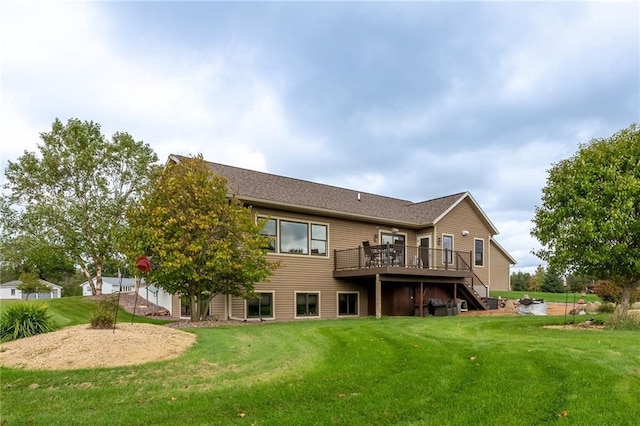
x: 624, y: 321
x: 23, y: 320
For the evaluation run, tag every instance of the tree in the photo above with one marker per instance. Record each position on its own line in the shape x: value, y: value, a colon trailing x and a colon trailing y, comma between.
x: 552, y: 281
x: 25, y: 253
x: 74, y: 194
x: 520, y: 281
x: 31, y: 284
x: 579, y: 283
x: 201, y: 241
x: 589, y: 220
x: 536, y: 279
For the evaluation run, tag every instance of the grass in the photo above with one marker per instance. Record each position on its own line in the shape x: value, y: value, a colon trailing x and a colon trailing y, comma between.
x: 549, y: 297
x: 68, y: 311
x: 391, y: 371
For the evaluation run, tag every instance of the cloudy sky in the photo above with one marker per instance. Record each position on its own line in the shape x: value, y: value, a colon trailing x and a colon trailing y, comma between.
x: 411, y: 100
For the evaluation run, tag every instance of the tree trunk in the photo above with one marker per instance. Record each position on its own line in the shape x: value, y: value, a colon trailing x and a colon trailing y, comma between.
x: 626, y: 297
x: 98, y: 264
x: 87, y: 274
x: 194, y: 308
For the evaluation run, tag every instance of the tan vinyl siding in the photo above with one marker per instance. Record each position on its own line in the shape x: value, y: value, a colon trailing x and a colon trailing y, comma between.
x: 500, y: 270
x: 314, y: 274
x: 465, y: 217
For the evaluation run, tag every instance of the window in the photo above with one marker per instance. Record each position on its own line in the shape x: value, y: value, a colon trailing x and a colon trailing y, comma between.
x: 307, y: 304
x: 13, y: 291
x: 318, y: 240
x: 347, y: 303
x: 262, y: 307
x: 447, y: 245
x: 294, y: 237
x: 270, y: 230
x: 479, y: 252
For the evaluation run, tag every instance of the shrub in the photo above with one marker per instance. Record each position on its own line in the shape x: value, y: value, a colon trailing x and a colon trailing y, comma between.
x: 624, y: 322
x: 23, y: 320
x: 608, y: 291
x: 104, y: 315
x: 607, y: 308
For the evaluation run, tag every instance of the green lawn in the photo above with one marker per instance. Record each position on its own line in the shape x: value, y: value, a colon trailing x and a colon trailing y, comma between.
x: 549, y: 297
x: 67, y: 311
x: 401, y: 371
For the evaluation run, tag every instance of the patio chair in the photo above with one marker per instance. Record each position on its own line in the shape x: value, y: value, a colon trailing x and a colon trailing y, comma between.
x: 371, y: 254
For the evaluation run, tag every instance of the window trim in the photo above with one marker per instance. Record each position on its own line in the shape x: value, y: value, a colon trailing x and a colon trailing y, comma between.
x: 482, y: 264
x: 444, y: 259
x: 275, y: 237
x: 273, y: 306
x: 338, y: 314
x: 310, y: 224
x: 295, y: 305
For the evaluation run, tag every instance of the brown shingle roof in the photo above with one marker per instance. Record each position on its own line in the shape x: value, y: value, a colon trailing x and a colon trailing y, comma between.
x: 269, y: 190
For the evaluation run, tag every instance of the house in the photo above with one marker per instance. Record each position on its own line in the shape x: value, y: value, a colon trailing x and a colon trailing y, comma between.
x: 8, y: 290
x: 111, y: 285
x: 347, y: 253
x: 148, y: 292
x: 157, y: 296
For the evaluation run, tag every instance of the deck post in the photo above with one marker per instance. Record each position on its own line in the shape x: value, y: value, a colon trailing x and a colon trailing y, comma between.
x: 455, y: 294
x: 421, y: 299
x: 378, y: 297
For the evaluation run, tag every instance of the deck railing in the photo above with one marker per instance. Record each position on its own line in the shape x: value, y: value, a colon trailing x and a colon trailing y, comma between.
x: 401, y: 256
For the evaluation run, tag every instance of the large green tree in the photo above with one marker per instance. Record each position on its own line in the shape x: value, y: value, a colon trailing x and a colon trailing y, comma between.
x: 589, y: 220
x: 202, y: 241
x: 74, y: 192
x: 26, y: 253
x: 520, y: 281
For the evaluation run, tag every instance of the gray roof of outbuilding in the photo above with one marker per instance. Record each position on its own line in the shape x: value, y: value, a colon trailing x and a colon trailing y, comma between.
x: 269, y: 190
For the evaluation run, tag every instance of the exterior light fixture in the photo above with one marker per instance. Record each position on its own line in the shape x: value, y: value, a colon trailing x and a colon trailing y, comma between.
x: 465, y: 233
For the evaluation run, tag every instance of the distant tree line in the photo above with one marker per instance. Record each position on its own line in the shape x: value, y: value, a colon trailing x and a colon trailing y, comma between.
x: 550, y: 280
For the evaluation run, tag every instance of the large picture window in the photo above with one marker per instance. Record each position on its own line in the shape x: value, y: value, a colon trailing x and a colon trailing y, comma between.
x: 307, y: 304
x: 347, y: 303
x: 479, y: 252
x: 262, y: 307
x: 294, y: 237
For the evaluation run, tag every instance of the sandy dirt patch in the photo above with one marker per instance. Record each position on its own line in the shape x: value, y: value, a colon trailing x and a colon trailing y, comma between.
x: 553, y: 309
x: 83, y: 347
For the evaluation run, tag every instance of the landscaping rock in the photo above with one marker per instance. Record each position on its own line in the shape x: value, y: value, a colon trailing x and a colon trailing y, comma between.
x: 635, y: 305
x: 510, y: 305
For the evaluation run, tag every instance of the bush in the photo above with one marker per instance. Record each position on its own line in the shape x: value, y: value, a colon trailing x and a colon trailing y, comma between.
x: 607, y: 308
x: 608, y: 291
x: 23, y: 320
x: 104, y: 315
x: 624, y: 322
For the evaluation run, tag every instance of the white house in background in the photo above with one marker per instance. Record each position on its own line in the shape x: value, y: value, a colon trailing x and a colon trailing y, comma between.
x: 111, y: 285
x: 149, y: 292
x: 8, y: 290
x: 157, y: 296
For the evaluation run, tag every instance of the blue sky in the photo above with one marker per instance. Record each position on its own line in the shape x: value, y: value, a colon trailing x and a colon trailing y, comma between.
x: 411, y: 100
